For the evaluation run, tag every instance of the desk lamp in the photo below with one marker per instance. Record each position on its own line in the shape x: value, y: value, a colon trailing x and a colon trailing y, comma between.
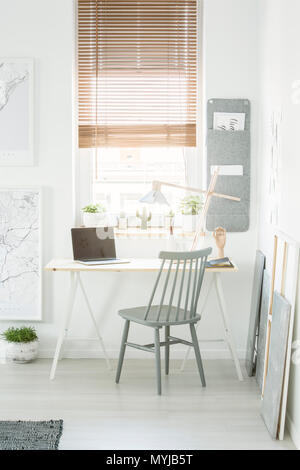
x: 155, y: 196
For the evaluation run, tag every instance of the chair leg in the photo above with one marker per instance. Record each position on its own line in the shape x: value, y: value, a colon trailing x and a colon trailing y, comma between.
x: 122, y: 350
x: 197, y: 354
x: 167, y: 350
x: 157, y: 359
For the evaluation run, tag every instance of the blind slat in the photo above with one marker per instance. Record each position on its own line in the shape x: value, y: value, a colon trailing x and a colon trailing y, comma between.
x: 137, y: 73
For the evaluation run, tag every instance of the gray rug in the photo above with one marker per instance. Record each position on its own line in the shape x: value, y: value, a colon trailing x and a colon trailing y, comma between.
x: 30, y: 435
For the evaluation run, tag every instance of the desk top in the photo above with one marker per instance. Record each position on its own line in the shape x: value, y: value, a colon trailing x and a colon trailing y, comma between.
x: 135, y: 265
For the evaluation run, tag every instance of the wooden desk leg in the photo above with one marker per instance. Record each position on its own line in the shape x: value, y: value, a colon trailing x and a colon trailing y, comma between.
x: 228, y: 334
x: 94, y: 322
x: 65, y: 322
x: 201, y: 313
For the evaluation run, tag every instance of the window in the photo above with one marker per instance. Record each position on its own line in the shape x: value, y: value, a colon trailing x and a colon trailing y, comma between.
x: 137, y: 98
x: 122, y: 176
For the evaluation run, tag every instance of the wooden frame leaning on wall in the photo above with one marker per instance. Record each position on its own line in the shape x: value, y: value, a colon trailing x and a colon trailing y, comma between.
x: 285, y: 275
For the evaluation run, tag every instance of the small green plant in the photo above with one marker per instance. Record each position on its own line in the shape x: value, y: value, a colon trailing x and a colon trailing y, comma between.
x: 191, y: 205
x: 94, y: 209
x: 20, y: 335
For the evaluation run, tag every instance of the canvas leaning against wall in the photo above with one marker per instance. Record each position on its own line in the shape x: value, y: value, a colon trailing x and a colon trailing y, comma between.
x: 16, y: 112
x: 20, y: 254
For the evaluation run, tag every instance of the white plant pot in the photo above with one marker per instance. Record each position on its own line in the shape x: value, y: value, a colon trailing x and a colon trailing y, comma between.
x: 189, y: 223
x: 93, y: 220
x: 22, y: 353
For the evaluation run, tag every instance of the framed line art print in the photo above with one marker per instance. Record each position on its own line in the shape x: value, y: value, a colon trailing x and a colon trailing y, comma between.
x: 16, y: 112
x: 20, y: 254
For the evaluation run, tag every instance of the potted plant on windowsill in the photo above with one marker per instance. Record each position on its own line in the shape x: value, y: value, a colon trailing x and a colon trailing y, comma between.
x: 22, y: 344
x: 93, y: 215
x: 190, y: 208
x: 169, y: 219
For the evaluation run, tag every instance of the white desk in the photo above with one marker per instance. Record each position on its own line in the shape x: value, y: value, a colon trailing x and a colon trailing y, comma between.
x: 135, y: 265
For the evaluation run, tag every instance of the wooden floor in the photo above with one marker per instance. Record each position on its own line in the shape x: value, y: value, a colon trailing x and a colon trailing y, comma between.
x: 98, y: 414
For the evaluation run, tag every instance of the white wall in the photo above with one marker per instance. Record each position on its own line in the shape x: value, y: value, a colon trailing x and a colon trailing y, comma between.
x: 280, y: 68
x: 231, y: 71
x: 44, y: 31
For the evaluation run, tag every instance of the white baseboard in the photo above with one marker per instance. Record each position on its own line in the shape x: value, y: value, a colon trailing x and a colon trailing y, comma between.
x: 294, y: 433
x: 135, y: 354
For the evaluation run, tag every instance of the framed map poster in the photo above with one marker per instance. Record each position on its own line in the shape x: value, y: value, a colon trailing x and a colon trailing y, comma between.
x: 20, y: 254
x: 16, y: 112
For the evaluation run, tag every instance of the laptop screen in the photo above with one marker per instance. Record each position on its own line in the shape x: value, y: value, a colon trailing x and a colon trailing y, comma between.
x: 93, y: 243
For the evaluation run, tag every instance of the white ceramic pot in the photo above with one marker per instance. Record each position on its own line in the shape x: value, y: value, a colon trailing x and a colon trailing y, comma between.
x: 189, y: 223
x: 123, y: 223
x: 93, y: 219
x: 22, y: 353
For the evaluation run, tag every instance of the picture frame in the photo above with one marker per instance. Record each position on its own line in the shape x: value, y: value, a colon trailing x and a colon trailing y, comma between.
x: 16, y: 112
x: 21, y: 274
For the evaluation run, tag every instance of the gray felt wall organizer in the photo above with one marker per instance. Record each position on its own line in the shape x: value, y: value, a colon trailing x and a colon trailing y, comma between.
x: 229, y: 148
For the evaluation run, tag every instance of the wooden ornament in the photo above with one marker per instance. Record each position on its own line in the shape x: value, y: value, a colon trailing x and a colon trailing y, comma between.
x: 220, y: 238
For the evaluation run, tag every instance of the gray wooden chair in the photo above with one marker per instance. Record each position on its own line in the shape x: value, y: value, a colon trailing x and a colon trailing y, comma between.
x: 181, y: 308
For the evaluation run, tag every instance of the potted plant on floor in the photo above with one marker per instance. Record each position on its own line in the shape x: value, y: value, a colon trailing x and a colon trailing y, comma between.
x: 93, y: 215
x: 22, y: 344
x: 190, y: 208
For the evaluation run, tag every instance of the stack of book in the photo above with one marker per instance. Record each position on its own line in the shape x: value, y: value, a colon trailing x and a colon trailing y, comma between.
x: 219, y: 263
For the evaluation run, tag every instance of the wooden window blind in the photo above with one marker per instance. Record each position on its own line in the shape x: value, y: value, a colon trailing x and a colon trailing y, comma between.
x: 137, y: 73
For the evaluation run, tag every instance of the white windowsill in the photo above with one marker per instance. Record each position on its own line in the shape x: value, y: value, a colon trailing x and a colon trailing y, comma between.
x: 155, y: 233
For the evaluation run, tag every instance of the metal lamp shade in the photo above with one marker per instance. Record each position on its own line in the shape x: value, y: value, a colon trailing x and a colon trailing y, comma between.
x: 154, y: 197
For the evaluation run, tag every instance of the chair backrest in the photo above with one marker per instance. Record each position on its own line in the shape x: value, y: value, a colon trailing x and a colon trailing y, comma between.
x: 184, y: 290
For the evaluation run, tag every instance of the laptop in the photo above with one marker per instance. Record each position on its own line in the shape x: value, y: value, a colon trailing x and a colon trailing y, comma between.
x: 95, y: 246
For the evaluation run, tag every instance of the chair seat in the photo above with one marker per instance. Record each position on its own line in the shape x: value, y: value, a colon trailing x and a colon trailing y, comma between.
x: 137, y: 315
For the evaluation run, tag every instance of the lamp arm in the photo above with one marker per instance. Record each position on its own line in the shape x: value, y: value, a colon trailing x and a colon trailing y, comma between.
x: 225, y: 196
x: 156, y: 185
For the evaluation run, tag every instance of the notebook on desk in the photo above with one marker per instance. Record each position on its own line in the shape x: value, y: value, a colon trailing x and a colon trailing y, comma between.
x: 95, y: 246
x: 219, y: 263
